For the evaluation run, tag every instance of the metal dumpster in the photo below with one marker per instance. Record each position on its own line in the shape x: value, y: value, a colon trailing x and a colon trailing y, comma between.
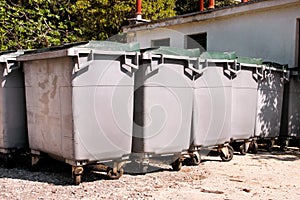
x: 290, y: 126
x: 269, y: 104
x: 163, y: 105
x: 79, y: 100
x: 212, y: 103
x: 13, y: 129
x: 244, y: 100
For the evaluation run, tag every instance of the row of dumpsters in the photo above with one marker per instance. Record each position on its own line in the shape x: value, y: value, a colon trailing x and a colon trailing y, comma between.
x: 108, y: 104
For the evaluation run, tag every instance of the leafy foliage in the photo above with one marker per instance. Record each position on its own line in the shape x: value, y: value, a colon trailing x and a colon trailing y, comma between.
x: 189, y: 6
x: 28, y: 24
x: 35, y: 23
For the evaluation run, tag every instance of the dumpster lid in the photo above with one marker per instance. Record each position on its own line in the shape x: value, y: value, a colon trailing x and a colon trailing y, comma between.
x: 251, y: 61
x: 10, y: 55
x: 218, y: 55
x: 275, y: 66
x: 172, y: 51
x: 111, y: 46
x: 6, y: 52
x: 55, y: 48
x: 73, y: 49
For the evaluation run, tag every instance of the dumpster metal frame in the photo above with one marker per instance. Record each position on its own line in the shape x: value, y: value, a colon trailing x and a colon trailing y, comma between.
x: 223, y: 148
x: 13, y: 118
x: 281, y: 74
x: 73, y: 63
x: 156, y: 61
x: 247, y: 142
x: 290, y: 124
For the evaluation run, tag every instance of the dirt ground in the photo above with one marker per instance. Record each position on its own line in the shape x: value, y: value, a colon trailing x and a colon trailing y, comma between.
x: 265, y: 175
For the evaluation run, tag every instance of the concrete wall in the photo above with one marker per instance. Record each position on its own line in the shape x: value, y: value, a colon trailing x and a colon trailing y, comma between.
x: 268, y: 34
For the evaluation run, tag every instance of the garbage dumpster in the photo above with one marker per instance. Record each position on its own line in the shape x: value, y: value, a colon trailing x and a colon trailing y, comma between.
x: 79, y: 101
x: 244, y: 100
x: 163, y: 105
x: 212, y: 103
x: 290, y: 126
x: 269, y: 104
x: 13, y: 129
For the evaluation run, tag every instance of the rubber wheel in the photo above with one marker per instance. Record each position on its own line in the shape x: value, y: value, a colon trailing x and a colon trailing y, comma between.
x: 9, y: 163
x: 176, y: 166
x: 113, y: 175
x: 77, y: 179
x: 284, y: 145
x: 196, y: 159
x: 230, y: 154
x: 242, y: 149
x: 254, y: 147
x: 269, y: 147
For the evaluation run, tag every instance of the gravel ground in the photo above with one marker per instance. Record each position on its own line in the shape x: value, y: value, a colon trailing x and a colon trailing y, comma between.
x: 265, y: 175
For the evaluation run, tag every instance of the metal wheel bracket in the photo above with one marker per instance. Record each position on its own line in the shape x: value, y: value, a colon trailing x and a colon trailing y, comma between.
x: 224, y: 150
x: 247, y: 145
x: 77, y: 170
x: 34, y: 159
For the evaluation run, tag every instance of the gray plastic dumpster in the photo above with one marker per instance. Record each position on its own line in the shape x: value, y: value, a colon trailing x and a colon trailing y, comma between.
x: 163, y: 105
x: 290, y: 127
x: 80, y: 104
x: 13, y: 129
x: 269, y: 104
x: 212, y: 103
x: 244, y: 100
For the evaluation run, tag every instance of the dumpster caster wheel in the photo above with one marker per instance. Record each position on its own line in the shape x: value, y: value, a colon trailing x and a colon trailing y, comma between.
x: 284, y: 145
x: 196, y: 158
x: 9, y: 163
x: 254, y: 147
x: 113, y: 175
x: 227, y: 158
x: 77, y: 179
x: 242, y: 149
x: 269, y: 147
x: 77, y: 174
x: 176, y: 166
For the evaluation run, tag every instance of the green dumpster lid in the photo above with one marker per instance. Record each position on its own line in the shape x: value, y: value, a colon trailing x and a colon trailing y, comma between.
x: 98, y: 45
x: 218, y: 55
x: 55, y: 48
x: 275, y: 65
x: 7, y: 52
x: 111, y: 46
x: 5, y: 55
x: 247, y: 60
x: 173, y: 51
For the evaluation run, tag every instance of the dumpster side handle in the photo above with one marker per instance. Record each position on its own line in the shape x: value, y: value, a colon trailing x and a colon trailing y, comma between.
x: 156, y: 66
x: 260, y: 74
x: 129, y: 63
x: 200, y: 68
x: 79, y: 65
x: 233, y: 70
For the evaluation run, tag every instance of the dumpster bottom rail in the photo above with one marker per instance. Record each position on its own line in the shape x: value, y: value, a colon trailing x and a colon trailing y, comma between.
x: 225, y: 151
x: 142, y: 163
x: 244, y: 145
x: 114, y: 168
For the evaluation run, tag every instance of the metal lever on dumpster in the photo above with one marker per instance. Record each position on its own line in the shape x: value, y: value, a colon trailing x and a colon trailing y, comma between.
x: 286, y: 73
x: 200, y: 68
x: 129, y: 63
x: 156, y: 66
x: 80, y: 65
x: 261, y: 75
x: 233, y: 70
x: 9, y: 63
x: 268, y: 72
